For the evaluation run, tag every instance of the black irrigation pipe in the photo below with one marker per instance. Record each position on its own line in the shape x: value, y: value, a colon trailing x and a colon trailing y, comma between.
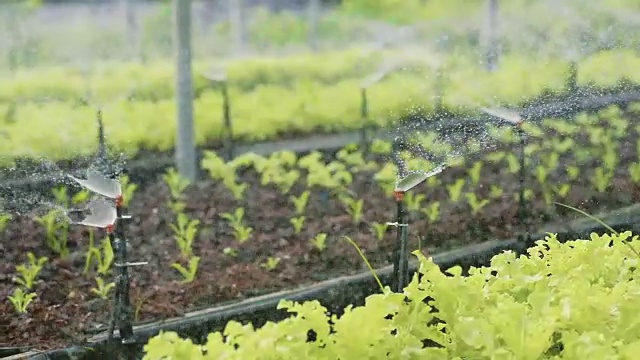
x: 152, y: 165
x: 337, y: 293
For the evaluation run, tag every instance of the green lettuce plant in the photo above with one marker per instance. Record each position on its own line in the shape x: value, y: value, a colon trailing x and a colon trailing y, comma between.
x: 455, y: 190
x: 355, y: 207
x: 102, y: 255
x: 319, y: 242
x: 102, y: 288
x: 188, y: 273
x: 300, y: 202
x: 56, y: 231
x: 4, y: 221
x: 184, y: 232
x: 413, y: 200
x: 474, y: 172
x: 177, y: 186
x: 128, y: 189
x: 297, y: 223
x: 21, y: 300
x: 495, y: 192
x: 271, y: 264
x: 241, y: 232
x: 549, y: 303
x: 432, y: 211
x: 29, y: 272
x: 380, y: 229
x: 475, y: 203
x: 601, y: 179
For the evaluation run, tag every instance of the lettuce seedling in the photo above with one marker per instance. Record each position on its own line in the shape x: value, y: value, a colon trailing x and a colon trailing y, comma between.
x: 21, y: 300
x: 103, y: 288
x: 176, y: 183
x: 184, y: 232
x: 128, y: 189
x: 601, y: 179
x: 56, y: 231
x: 236, y: 221
x: 413, y: 201
x: 455, y: 190
x: 380, y: 229
x: 432, y: 211
x: 319, y: 242
x: 29, y: 273
x: 297, y: 223
x: 354, y: 207
x: 300, y: 202
x: 189, y: 273
x: 474, y: 172
x: 475, y: 203
x: 271, y: 264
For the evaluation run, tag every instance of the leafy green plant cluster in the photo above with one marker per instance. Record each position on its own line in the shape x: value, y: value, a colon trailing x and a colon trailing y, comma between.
x: 572, y: 300
x: 56, y: 224
x: 102, y: 256
x: 27, y: 276
x: 301, y: 105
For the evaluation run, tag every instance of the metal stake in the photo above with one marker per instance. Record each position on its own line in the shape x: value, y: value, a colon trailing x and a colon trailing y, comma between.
x: 522, y: 209
x: 400, y: 257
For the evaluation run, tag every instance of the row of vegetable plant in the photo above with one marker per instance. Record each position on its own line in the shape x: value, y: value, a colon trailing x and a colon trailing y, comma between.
x: 303, y: 106
x: 560, y: 161
x: 570, y: 300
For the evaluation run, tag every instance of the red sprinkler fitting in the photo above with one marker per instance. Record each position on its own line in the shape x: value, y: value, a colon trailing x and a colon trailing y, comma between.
x: 399, y: 195
x: 110, y: 229
x: 119, y: 201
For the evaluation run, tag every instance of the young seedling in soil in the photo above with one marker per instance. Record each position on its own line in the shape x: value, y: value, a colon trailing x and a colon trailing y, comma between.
x: 297, y: 224
x: 29, y: 273
x: 241, y: 232
x: 380, y: 229
x: 21, y: 300
x: 319, y: 242
x: 188, y: 273
x: 271, y: 264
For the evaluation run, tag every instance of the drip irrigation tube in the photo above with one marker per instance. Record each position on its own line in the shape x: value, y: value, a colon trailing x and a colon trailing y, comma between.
x: 337, y: 293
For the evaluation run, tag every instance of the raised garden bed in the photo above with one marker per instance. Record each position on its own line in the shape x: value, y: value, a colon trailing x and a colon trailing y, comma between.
x: 337, y: 293
x: 65, y: 310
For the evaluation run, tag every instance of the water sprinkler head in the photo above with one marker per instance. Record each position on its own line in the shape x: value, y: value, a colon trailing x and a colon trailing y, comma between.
x: 373, y: 79
x: 100, y: 184
x: 507, y: 115
x: 99, y: 213
x: 415, y: 178
x: 216, y: 75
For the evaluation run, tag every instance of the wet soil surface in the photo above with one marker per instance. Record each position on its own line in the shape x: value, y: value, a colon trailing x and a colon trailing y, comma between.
x: 66, y: 311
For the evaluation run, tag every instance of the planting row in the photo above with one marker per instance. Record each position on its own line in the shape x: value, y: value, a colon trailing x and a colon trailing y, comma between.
x: 153, y: 82
x: 573, y: 300
x: 270, y: 111
x: 261, y: 224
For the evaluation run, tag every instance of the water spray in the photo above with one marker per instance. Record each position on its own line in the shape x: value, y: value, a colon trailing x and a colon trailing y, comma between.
x: 516, y: 120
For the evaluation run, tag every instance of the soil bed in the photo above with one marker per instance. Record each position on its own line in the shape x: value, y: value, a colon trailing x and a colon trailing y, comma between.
x: 65, y: 311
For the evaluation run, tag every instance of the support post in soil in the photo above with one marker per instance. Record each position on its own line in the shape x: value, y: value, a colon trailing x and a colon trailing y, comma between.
x: 522, y: 206
x: 400, y: 256
x: 226, y: 116
x: 122, y: 311
x: 364, y: 116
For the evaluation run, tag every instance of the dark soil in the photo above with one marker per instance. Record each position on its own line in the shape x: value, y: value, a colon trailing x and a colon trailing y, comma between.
x: 66, y: 311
